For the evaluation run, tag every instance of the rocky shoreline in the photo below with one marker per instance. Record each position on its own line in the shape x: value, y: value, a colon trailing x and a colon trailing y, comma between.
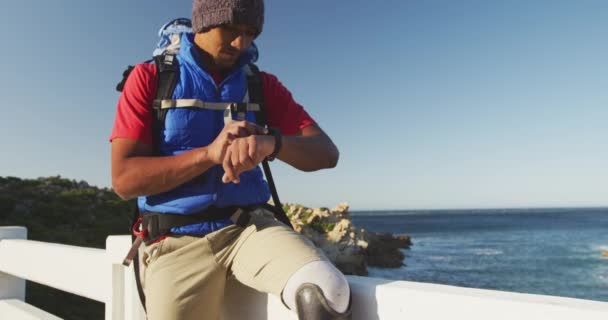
x: 350, y: 248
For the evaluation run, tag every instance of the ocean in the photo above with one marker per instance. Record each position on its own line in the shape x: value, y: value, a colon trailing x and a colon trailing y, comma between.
x: 554, y: 252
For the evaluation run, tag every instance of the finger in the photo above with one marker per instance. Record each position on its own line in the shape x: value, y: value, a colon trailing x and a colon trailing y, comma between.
x: 244, y: 132
x: 230, y: 137
x: 245, y: 159
x: 226, y: 163
x: 228, y: 169
x: 252, y: 151
x: 252, y: 128
x: 234, y: 158
x: 244, y: 129
x: 234, y: 132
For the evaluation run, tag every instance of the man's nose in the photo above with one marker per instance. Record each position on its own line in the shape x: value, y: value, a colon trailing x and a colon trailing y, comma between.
x: 241, y: 42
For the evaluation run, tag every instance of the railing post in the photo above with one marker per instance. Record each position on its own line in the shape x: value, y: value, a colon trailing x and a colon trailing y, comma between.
x: 124, y: 300
x: 12, y: 287
x: 115, y: 305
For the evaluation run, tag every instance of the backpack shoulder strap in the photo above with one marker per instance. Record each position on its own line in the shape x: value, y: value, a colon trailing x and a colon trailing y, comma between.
x: 256, y: 95
x: 167, y: 68
x: 168, y: 74
x: 256, y: 92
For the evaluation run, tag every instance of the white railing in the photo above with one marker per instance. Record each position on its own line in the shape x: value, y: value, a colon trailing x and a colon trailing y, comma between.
x: 99, y: 275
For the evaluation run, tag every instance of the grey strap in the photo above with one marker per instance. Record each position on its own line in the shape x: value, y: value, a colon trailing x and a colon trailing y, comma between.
x: 196, y: 103
x: 240, y: 108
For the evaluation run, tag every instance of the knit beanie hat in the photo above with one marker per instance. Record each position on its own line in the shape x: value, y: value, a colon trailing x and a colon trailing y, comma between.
x: 207, y: 14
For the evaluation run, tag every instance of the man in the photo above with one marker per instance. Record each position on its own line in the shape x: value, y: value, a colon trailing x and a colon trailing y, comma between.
x: 207, y: 166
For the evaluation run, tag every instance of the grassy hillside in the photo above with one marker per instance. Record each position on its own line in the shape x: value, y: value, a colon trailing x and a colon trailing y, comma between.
x: 59, y: 210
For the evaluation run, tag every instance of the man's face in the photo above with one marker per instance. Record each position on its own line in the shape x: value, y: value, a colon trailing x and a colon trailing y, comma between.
x: 225, y: 43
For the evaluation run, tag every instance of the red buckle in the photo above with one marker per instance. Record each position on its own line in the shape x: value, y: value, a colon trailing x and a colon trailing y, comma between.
x: 143, y: 233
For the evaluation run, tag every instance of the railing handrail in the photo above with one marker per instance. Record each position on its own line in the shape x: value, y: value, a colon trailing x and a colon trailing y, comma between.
x: 65, y: 267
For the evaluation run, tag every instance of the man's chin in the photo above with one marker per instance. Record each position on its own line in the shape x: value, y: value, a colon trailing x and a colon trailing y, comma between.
x: 225, y: 65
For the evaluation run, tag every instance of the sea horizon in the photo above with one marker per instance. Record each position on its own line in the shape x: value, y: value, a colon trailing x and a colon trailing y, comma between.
x: 550, y: 251
x: 490, y: 210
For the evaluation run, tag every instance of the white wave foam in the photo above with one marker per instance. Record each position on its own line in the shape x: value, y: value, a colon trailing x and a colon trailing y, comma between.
x: 487, y: 252
x: 598, y: 251
x: 440, y: 258
x: 601, y: 274
x: 599, y: 248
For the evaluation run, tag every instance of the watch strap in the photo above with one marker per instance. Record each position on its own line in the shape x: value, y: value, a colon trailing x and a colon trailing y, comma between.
x: 278, y: 143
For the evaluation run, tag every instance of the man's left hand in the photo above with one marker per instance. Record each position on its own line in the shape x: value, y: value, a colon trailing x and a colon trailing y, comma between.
x: 245, y: 154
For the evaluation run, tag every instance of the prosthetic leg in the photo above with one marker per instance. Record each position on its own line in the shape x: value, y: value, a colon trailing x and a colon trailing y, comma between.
x: 312, y: 305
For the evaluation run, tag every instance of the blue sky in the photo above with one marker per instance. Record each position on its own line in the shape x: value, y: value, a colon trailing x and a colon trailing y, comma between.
x: 433, y: 104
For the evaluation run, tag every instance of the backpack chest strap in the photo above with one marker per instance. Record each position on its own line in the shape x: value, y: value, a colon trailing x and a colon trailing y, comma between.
x: 240, y: 108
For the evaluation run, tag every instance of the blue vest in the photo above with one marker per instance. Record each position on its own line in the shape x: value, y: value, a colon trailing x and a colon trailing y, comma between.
x: 189, y: 128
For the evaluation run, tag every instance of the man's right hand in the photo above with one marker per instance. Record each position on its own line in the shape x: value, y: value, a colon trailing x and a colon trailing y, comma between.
x: 234, y: 129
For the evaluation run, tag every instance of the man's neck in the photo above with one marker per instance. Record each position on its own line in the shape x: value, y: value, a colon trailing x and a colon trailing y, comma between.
x: 205, y: 60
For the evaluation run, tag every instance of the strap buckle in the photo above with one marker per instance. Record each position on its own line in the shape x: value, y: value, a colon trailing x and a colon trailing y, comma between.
x: 240, y: 108
x: 140, y: 235
x: 136, y: 226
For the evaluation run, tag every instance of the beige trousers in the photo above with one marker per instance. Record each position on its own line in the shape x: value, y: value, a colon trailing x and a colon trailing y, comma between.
x: 185, y: 276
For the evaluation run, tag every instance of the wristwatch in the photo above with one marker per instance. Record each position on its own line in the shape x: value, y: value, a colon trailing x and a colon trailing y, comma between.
x: 278, y: 143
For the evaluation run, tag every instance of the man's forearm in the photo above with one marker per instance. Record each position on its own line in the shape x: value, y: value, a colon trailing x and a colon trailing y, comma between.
x: 136, y: 172
x: 144, y: 175
x: 309, y: 153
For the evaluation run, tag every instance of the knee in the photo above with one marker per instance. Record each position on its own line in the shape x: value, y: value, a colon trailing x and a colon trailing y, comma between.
x: 313, y: 304
x: 331, y: 284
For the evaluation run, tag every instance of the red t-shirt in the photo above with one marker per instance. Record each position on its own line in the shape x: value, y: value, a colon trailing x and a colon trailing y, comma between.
x: 134, y: 112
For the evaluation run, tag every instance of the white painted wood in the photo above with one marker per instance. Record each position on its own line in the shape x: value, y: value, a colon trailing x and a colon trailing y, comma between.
x: 116, y: 250
x: 78, y: 270
x: 19, y: 310
x: 12, y: 287
x: 383, y: 299
x: 115, y: 305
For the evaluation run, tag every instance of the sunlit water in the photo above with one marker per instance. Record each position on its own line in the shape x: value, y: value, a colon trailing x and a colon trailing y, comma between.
x: 543, y: 251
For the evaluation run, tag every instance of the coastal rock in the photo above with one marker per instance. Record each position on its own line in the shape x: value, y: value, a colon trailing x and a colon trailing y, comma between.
x: 384, y: 250
x: 341, y: 208
x: 350, y: 248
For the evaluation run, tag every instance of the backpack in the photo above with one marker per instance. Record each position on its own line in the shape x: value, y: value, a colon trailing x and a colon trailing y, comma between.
x: 164, y: 57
